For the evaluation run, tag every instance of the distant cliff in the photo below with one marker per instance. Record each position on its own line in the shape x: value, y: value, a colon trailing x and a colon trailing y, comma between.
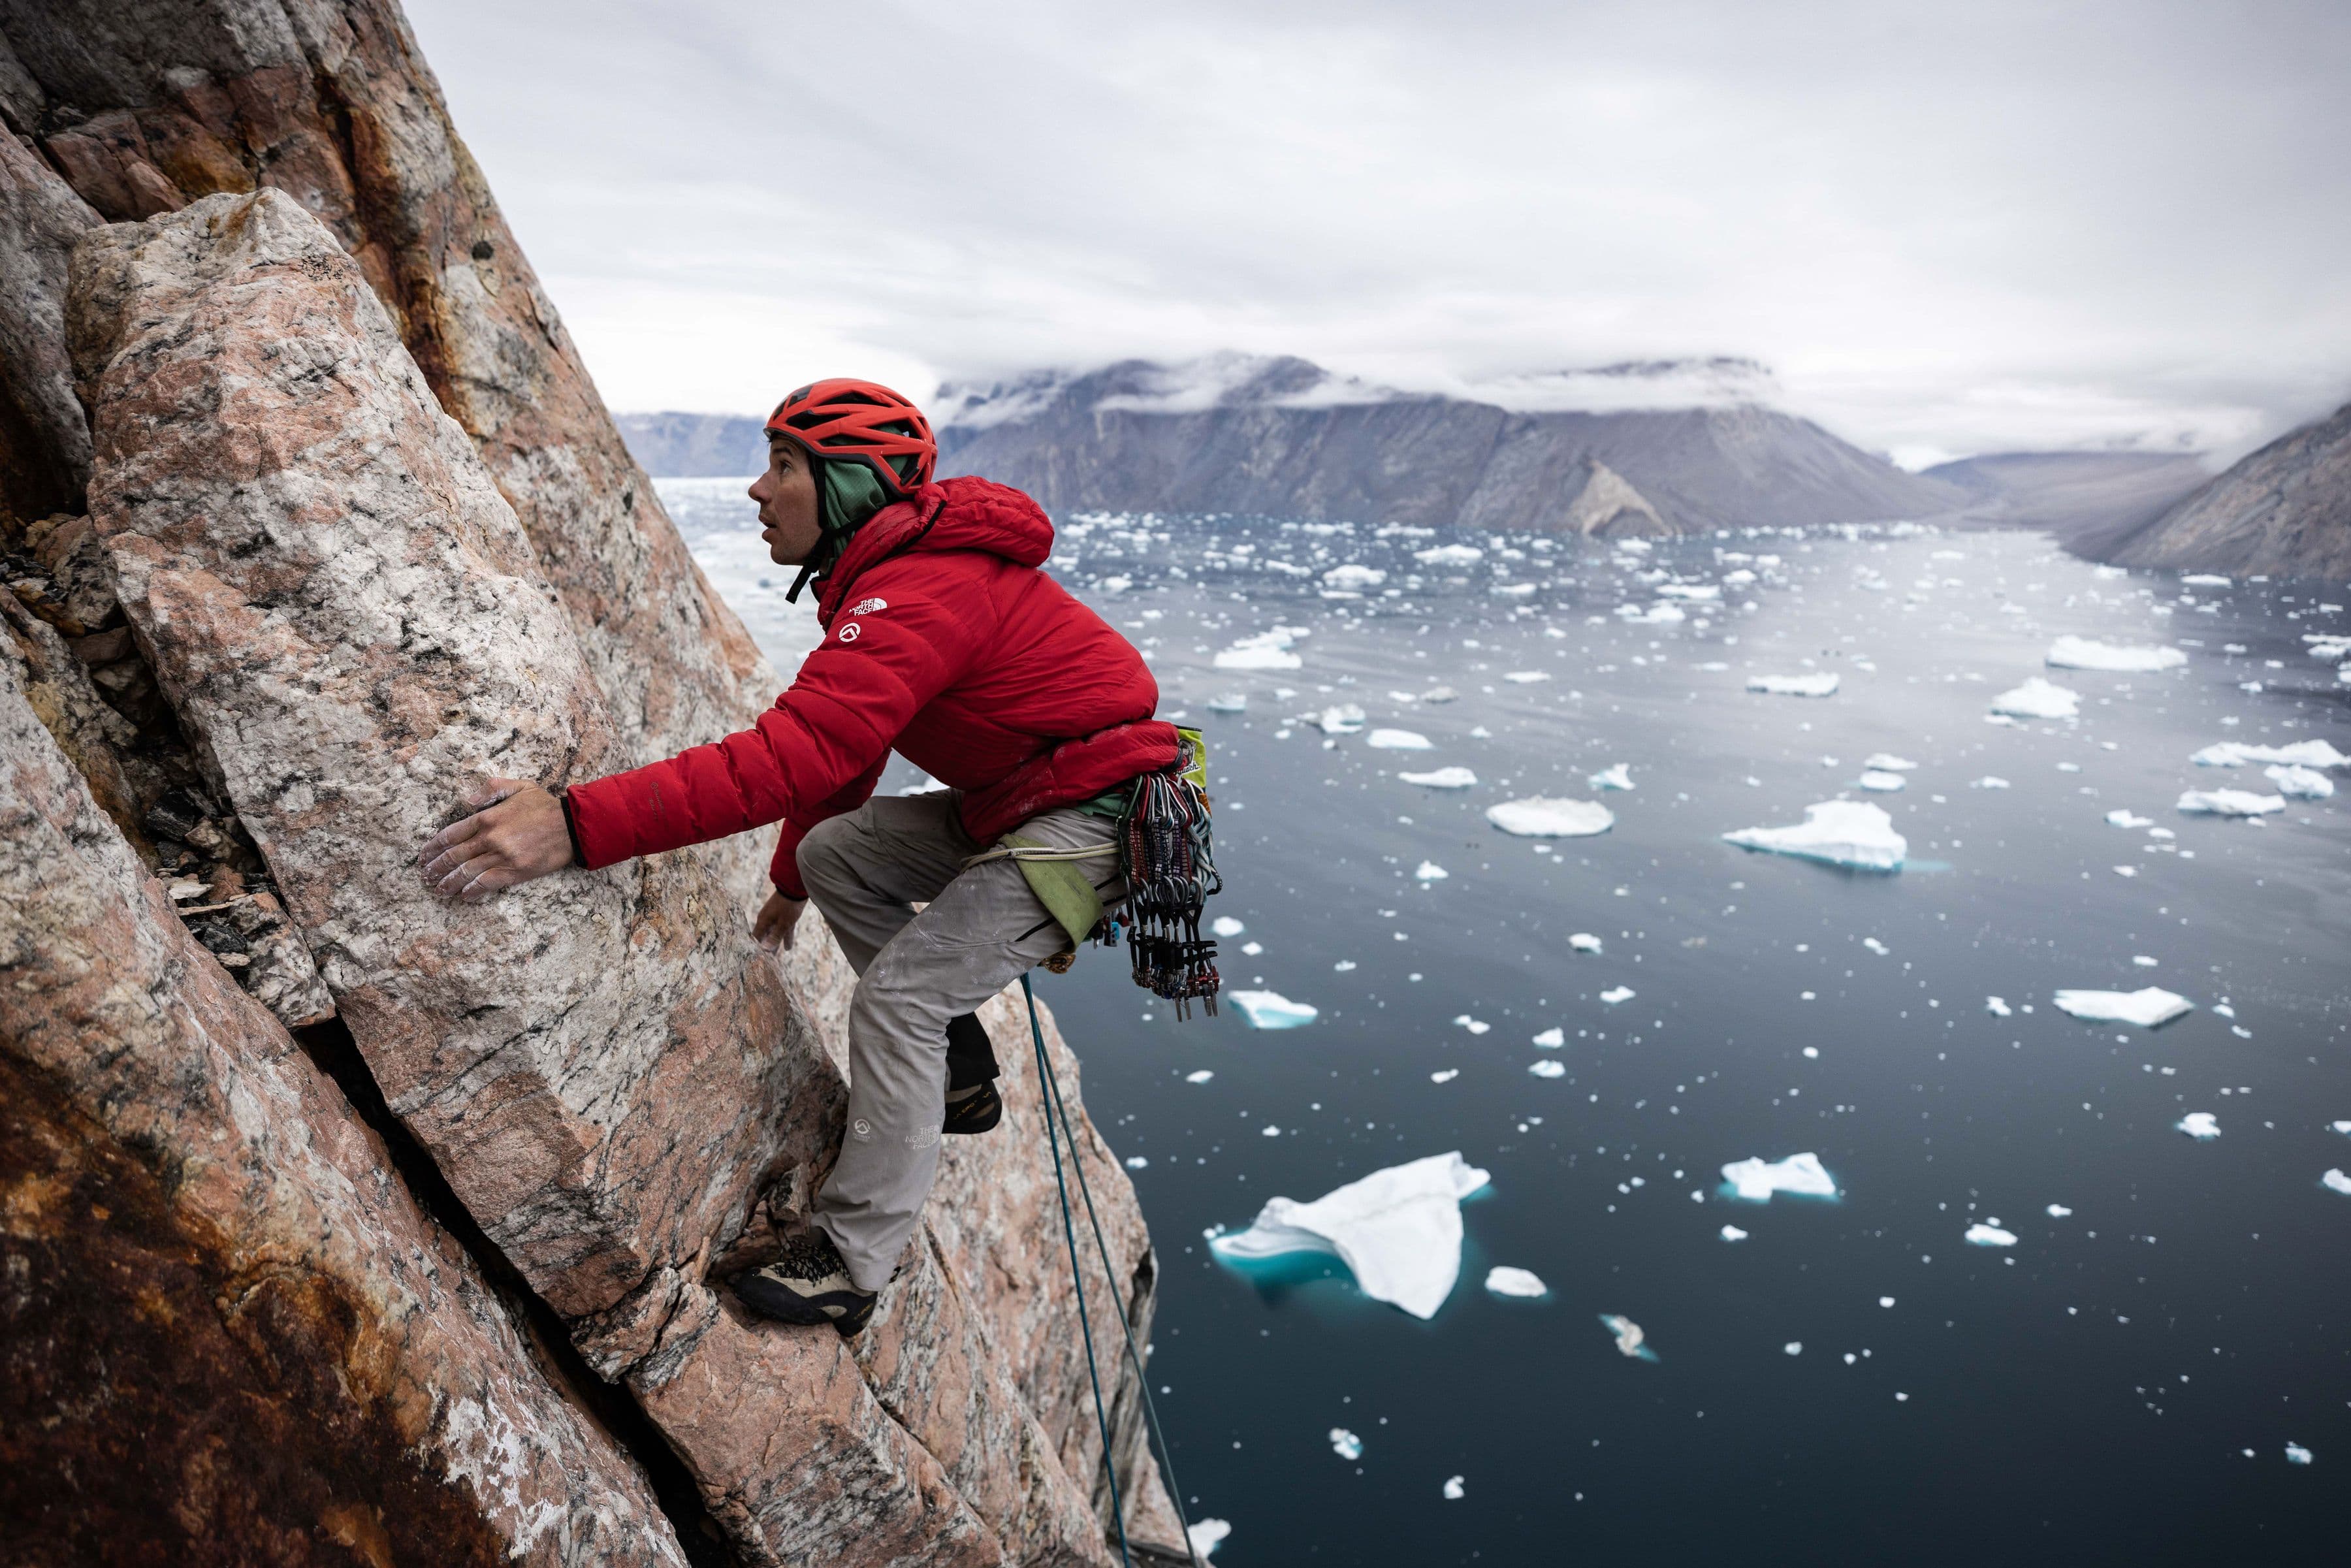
x: 1285, y: 436
x: 2087, y: 499
x: 674, y: 445
x: 2284, y: 510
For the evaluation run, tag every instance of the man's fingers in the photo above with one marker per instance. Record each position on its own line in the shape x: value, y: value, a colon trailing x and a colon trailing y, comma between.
x: 457, y: 833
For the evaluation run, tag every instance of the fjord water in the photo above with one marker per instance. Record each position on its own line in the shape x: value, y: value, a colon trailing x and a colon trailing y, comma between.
x: 2120, y: 1386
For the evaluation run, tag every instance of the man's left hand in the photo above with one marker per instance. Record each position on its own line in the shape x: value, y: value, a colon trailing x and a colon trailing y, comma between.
x: 518, y: 835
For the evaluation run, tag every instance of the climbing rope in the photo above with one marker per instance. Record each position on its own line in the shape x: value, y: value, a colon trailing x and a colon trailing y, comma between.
x: 1054, y: 1107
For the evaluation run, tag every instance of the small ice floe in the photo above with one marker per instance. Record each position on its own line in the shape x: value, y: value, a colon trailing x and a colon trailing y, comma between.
x: 2299, y: 783
x: 1271, y: 1010
x: 2121, y: 817
x: 1352, y: 578
x: 1265, y: 650
x: 2229, y: 803
x: 1449, y: 555
x: 1798, y: 1176
x: 1439, y: 695
x: 1988, y: 1233
x: 1444, y: 1075
x: 2336, y: 1181
x: 2204, y: 579
x: 1585, y: 942
x: 2295, y: 1454
x: 1443, y: 778
x: 2199, y: 1124
x: 2082, y: 653
x: 1345, y: 1444
x: 1340, y: 718
x: 1820, y: 685
x: 2057, y: 1211
x: 1207, y: 1534
x: 2037, y: 698
x: 2342, y: 1127
x: 2301, y: 754
x: 1515, y: 1282
x: 1615, y: 994
x: 1547, y: 1067
x: 1429, y: 871
x: 1137, y: 1162
x: 1398, y: 1230
x: 1732, y: 1233
x: 1252, y: 948
x: 1551, y: 1038
x: 1200, y: 1076
x: 1538, y: 817
x: 1228, y: 702
x: 1840, y: 832
x: 1525, y: 677
x: 1618, y: 776
x: 1881, y: 781
x: 1475, y: 1026
x: 1989, y: 782
x: 1225, y: 925
x: 1453, y: 1488
x: 1629, y: 1337
x: 1398, y: 741
x: 1996, y: 1007
x: 1886, y: 761
x: 1793, y: 1347
x: 2149, y: 1007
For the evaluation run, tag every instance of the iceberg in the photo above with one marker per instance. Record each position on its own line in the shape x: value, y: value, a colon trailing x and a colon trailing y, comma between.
x: 1429, y: 871
x: 2121, y: 817
x: 1265, y: 650
x: 1398, y: 740
x: 1228, y: 702
x: 1548, y: 1068
x: 1475, y: 1026
x: 1990, y: 782
x: 1538, y: 817
x: 1449, y: 555
x: 1585, y: 942
x: 2229, y: 803
x: 1882, y: 781
x: 1200, y: 1075
x: 2058, y: 1211
x: 1616, y: 778
x: 1444, y: 1075
x: 1442, y: 779
x: 2082, y: 653
x: 1515, y: 1282
x: 1996, y: 1007
x: 1629, y: 1337
x: 1340, y: 718
x: 2336, y: 1181
x: 1553, y: 1038
x: 1798, y: 1176
x: 1888, y: 762
x: 1352, y: 578
x: 2299, y: 783
x: 2149, y: 1007
x: 2199, y: 1124
x: 1225, y: 925
x: 2295, y: 1454
x: 1271, y: 1010
x: 2037, y: 698
x: 1615, y: 994
x: 1821, y: 685
x: 1439, y: 695
x: 1525, y: 677
x: 1453, y: 1488
x: 1990, y: 1235
x: 2301, y: 754
x: 1732, y: 1233
x: 2205, y: 580
x: 1840, y: 832
x: 1207, y: 1534
x: 1345, y: 1444
x: 1398, y: 1230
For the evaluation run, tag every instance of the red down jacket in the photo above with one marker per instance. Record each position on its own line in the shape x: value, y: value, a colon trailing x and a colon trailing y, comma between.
x: 943, y: 641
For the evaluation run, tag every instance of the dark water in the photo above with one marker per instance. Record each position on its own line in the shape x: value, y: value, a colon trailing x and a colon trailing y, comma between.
x: 2118, y: 1386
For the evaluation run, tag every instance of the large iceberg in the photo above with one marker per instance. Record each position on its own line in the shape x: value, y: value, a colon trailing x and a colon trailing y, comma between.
x: 2148, y: 1007
x: 1271, y: 1010
x: 1841, y: 832
x: 2082, y: 653
x: 1398, y: 1230
x: 1540, y: 817
x: 2037, y: 698
x: 1821, y: 685
x: 1799, y: 1176
x: 2299, y: 783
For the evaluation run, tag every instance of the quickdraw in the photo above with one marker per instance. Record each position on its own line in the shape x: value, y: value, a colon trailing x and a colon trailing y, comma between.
x: 1171, y: 874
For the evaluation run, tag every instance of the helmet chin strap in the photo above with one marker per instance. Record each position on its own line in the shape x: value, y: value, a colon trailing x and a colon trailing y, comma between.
x: 847, y: 494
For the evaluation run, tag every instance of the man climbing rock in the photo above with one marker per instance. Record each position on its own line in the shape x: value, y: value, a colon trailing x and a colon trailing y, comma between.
x: 944, y: 641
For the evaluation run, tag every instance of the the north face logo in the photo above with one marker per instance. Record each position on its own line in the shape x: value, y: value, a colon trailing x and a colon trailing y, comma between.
x: 867, y: 606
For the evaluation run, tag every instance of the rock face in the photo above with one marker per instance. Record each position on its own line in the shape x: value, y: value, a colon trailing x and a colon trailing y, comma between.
x: 348, y: 619
x: 44, y: 443
x: 2086, y: 499
x: 1288, y: 438
x: 229, y: 1335
x: 2284, y: 510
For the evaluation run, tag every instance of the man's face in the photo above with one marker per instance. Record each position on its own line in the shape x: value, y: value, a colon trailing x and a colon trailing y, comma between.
x: 787, y: 497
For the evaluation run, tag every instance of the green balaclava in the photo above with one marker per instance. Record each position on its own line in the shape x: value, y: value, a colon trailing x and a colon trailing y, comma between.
x: 848, y: 494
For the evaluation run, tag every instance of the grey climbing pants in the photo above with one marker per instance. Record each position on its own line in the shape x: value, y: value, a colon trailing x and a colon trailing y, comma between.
x: 982, y: 929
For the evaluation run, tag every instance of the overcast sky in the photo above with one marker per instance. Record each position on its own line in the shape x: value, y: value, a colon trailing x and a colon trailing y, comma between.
x: 1945, y: 229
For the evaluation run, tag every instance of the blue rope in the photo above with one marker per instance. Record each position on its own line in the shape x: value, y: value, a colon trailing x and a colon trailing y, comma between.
x: 1125, y: 1326
x: 1077, y: 1277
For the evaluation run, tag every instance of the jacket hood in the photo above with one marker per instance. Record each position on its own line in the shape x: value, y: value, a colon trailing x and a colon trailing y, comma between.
x: 952, y: 514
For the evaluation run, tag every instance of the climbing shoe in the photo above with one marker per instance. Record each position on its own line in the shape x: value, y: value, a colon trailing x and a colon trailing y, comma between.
x: 973, y: 1104
x: 809, y: 1284
x: 973, y: 1110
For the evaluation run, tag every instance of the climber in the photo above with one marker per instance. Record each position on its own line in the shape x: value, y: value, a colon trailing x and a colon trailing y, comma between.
x: 943, y: 641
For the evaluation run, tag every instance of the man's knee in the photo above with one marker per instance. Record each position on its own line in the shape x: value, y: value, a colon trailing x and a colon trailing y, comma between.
x: 825, y: 855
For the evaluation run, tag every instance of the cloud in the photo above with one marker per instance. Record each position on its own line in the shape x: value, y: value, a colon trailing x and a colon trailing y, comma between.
x: 1952, y: 227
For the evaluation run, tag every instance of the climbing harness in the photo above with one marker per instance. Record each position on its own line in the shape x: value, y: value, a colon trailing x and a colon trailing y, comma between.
x: 1170, y: 875
x: 1054, y: 1108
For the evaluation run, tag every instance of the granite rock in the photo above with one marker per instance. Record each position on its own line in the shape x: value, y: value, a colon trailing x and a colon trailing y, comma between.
x: 2284, y: 511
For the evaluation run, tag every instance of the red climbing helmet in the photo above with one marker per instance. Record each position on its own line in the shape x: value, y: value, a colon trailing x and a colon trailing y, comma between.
x: 853, y: 419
